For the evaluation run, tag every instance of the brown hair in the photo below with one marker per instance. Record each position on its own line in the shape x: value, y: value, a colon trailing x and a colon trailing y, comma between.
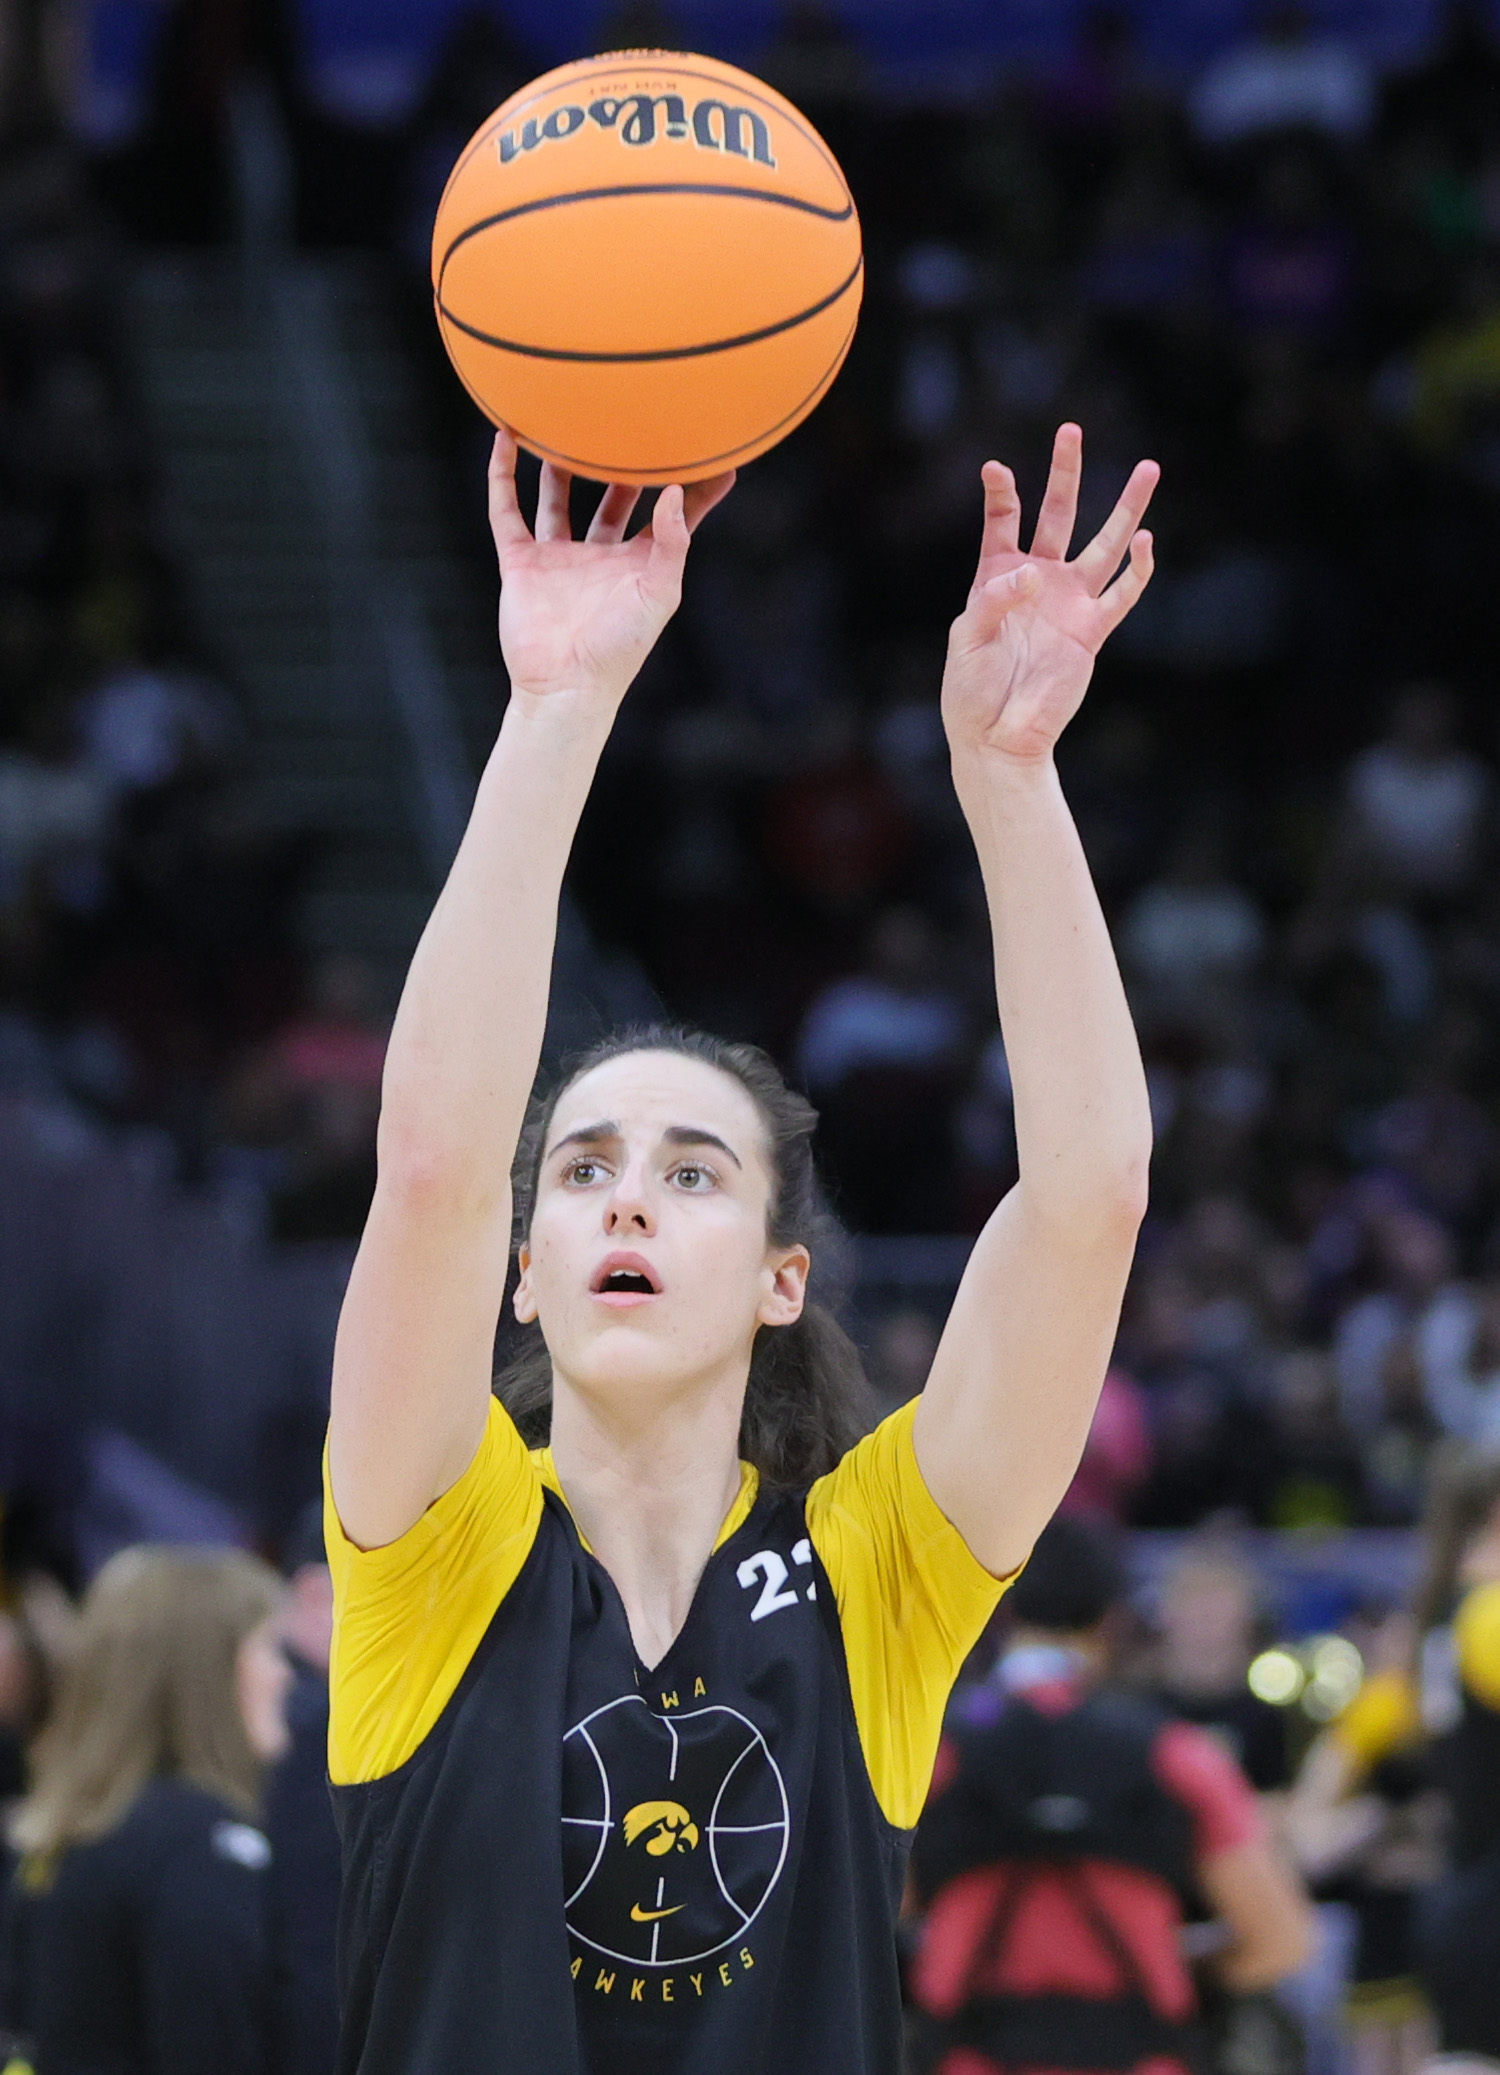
x: 150, y: 1690
x: 806, y: 1401
x: 1463, y: 1490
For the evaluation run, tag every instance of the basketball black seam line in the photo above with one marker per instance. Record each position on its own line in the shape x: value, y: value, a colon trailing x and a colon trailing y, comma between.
x: 654, y: 353
x: 586, y: 468
x: 785, y: 110
x: 653, y: 187
x: 792, y: 418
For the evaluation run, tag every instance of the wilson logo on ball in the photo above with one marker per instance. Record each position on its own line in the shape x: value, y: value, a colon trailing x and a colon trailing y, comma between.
x: 639, y: 119
x: 647, y: 264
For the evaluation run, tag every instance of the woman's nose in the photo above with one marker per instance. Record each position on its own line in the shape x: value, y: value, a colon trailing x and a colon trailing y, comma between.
x: 629, y: 1207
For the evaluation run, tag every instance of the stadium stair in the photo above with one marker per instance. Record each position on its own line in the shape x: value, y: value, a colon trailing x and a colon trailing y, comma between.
x: 303, y: 514
x: 309, y: 512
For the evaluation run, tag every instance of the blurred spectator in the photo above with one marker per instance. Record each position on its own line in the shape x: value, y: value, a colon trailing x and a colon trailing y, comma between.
x: 886, y: 1044
x: 896, y: 1013
x: 302, y: 1881
x: 1149, y: 254
x: 341, y: 1039
x: 142, y: 727
x: 1413, y: 1260
x: 1285, y: 78
x: 1455, y: 86
x: 1437, y: 1139
x: 1116, y: 1455
x: 1459, y: 1611
x: 1363, y: 1822
x: 303, y: 1110
x: 1289, y: 263
x: 1458, y: 1351
x: 1415, y: 802
x: 1208, y: 1625
x: 1192, y: 938
x: 133, y: 1932
x: 1225, y: 605
x: 1103, y: 75
x: 53, y: 813
x: 1317, y: 1478
x: 1067, y: 1826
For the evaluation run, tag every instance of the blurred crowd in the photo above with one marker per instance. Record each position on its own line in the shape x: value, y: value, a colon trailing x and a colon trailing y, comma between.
x: 1281, y: 277
x: 187, y: 1102
x: 1279, y: 273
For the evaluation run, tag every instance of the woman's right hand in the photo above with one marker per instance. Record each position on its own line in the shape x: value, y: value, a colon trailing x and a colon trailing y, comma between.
x: 583, y: 615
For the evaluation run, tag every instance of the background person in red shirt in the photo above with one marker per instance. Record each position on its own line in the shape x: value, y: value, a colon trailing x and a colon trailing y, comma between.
x: 1070, y: 1827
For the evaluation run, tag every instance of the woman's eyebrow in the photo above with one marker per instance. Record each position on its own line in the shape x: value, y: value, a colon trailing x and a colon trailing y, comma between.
x: 586, y: 1135
x: 696, y: 1135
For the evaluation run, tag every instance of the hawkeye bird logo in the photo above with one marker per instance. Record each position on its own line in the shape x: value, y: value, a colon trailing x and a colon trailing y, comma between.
x: 665, y: 1827
x: 675, y: 1831
x: 672, y: 1828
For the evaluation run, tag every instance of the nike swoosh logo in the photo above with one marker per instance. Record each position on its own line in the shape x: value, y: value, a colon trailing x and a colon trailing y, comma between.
x: 649, y: 1916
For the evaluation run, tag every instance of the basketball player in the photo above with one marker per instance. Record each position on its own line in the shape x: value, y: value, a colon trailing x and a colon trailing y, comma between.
x: 629, y: 1733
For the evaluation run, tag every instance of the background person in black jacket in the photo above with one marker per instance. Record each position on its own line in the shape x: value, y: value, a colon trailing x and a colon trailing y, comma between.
x: 135, y: 1940
x: 302, y: 1884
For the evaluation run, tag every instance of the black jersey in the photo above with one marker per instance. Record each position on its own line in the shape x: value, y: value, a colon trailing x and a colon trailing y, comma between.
x: 1471, y: 1767
x: 559, y: 1862
x: 142, y: 1952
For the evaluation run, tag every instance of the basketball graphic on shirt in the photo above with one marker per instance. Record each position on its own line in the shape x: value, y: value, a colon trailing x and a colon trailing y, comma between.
x: 675, y: 1830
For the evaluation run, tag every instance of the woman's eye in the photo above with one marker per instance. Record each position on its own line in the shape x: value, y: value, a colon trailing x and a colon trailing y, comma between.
x: 694, y: 1178
x: 581, y: 1171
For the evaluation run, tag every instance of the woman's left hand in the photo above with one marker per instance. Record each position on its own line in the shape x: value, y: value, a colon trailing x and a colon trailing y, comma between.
x: 1021, y: 653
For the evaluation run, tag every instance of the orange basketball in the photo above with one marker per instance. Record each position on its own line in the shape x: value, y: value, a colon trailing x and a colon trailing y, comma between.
x: 647, y: 265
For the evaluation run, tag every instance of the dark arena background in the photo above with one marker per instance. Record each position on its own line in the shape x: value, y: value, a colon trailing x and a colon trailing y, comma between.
x: 248, y: 674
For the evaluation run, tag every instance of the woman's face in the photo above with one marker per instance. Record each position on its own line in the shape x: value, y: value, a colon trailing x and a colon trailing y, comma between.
x: 262, y: 1676
x: 647, y: 1263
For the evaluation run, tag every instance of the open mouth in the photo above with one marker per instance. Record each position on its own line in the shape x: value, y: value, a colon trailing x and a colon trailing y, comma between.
x: 625, y: 1279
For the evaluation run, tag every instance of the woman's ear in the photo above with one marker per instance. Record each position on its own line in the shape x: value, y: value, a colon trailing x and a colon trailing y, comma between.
x: 786, y: 1292
x: 523, y: 1303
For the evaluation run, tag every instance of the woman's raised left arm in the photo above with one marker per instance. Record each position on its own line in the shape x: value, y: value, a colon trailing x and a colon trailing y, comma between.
x: 1006, y: 1411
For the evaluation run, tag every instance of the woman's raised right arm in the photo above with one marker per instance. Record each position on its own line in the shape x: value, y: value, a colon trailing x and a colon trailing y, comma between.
x: 411, y: 1372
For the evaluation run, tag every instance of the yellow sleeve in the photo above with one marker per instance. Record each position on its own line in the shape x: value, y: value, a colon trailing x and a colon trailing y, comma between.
x: 408, y: 1617
x: 1383, y: 1717
x: 912, y: 1598
x: 1476, y: 1632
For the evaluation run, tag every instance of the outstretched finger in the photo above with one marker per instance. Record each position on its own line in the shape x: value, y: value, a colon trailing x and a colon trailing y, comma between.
x: 553, y: 519
x: 1101, y: 558
x: 699, y: 499
x: 1124, y: 593
x: 1054, y: 524
x: 669, y: 545
x: 507, y: 522
x: 612, y: 513
x: 1002, y: 512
